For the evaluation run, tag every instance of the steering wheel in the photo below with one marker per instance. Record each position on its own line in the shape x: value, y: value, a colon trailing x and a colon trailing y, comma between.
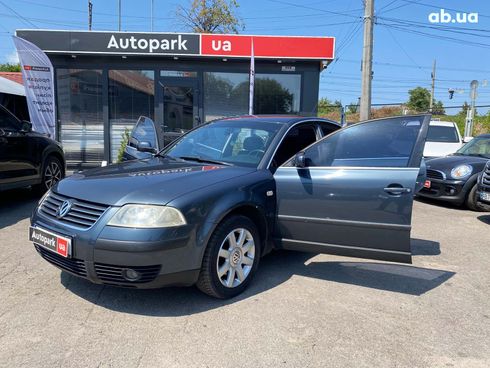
x: 256, y: 153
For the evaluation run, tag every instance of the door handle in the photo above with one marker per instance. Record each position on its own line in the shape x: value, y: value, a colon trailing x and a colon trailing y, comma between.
x: 397, y: 190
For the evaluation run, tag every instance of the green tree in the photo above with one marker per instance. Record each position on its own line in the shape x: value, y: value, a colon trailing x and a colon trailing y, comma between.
x: 352, y: 108
x: 7, y: 67
x: 270, y: 97
x: 211, y: 16
x: 438, y: 108
x: 419, y: 100
x: 325, y: 106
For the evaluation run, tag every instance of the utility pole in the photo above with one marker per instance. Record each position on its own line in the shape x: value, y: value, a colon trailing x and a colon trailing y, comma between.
x: 470, y: 114
x: 119, y: 14
x: 90, y: 5
x: 151, y: 16
x: 367, y: 60
x: 433, y: 76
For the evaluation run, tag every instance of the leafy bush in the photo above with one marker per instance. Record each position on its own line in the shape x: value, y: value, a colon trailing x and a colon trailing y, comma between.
x: 124, y: 143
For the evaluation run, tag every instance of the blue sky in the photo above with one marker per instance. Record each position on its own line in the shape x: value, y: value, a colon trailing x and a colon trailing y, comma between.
x: 405, y: 42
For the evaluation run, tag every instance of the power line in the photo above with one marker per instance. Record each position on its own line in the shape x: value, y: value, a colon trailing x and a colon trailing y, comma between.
x: 345, y: 14
x: 18, y: 15
x: 437, y: 7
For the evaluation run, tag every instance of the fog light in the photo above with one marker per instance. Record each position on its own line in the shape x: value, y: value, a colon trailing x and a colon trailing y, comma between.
x: 130, y: 274
x: 450, y: 190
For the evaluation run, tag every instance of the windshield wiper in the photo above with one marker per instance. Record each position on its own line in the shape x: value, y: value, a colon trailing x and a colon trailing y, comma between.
x: 162, y: 155
x: 204, y: 160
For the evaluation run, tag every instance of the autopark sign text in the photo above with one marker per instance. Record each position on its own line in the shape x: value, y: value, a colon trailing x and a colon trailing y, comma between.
x: 222, y: 45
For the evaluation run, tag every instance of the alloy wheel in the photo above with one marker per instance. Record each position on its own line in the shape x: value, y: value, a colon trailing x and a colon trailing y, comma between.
x: 52, y: 174
x: 236, y: 257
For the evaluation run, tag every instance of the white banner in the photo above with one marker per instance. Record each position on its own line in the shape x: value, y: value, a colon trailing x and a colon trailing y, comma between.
x: 252, y: 82
x: 37, y: 72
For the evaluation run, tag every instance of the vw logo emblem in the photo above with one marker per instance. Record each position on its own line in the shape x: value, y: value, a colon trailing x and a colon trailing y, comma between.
x: 64, y: 208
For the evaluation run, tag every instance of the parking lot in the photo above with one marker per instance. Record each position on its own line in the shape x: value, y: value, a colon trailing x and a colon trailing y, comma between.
x: 303, y: 310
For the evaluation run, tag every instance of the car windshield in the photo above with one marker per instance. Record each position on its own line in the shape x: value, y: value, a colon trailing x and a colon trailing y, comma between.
x: 446, y: 134
x: 476, y: 147
x: 241, y: 143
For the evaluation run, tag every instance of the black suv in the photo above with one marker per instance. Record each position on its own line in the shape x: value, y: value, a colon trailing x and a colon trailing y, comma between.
x: 26, y: 157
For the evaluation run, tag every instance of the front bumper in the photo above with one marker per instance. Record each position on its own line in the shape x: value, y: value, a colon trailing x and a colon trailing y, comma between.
x: 453, y: 191
x: 103, y: 254
x: 483, y: 189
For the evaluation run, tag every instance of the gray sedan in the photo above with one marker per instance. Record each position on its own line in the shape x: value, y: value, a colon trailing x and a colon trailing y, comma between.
x: 205, y: 209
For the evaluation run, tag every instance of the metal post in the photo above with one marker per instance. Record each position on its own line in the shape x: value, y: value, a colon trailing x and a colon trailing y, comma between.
x: 119, y: 14
x: 90, y: 5
x: 367, y: 60
x: 433, y: 76
x: 470, y: 115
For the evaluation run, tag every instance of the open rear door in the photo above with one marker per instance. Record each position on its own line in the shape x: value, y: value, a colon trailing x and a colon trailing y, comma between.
x: 351, y: 194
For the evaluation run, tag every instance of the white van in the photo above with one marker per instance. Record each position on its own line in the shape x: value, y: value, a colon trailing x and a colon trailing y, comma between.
x: 443, y: 138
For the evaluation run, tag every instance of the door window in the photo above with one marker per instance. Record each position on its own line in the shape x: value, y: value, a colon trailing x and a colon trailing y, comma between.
x: 295, y: 140
x: 7, y: 121
x: 178, y: 108
x: 144, y: 131
x: 383, y: 143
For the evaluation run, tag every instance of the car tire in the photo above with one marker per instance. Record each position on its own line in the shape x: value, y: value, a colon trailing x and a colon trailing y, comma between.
x: 472, y: 200
x: 228, y: 266
x: 53, y: 172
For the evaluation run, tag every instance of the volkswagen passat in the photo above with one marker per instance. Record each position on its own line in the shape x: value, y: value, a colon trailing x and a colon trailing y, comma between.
x: 208, y: 207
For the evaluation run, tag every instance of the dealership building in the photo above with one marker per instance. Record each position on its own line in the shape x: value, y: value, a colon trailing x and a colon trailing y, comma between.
x: 105, y: 80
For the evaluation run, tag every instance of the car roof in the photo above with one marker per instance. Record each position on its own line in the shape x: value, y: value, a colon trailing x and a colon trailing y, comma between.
x: 278, y: 119
x: 442, y: 123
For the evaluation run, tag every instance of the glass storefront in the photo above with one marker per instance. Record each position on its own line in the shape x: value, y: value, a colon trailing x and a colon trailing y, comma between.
x: 225, y: 94
x: 131, y: 95
x: 79, y: 95
x: 277, y: 94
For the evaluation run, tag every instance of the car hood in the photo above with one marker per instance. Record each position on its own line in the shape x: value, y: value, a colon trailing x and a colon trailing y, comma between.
x: 153, y: 181
x: 446, y: 164
x: 440, y: 149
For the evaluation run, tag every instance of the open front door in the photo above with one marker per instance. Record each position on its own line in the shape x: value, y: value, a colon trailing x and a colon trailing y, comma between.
x: 352, y: 194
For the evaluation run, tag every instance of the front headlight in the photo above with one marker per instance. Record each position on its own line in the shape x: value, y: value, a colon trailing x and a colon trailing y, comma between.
x: 461, y: 171
x: 147, y: 216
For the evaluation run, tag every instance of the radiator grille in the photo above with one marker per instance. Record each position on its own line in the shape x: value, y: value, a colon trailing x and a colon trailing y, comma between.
x: 82, y: 214
x: 435, y: 174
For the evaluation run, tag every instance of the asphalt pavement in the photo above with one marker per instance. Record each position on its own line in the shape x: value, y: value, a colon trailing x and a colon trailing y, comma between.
x: 302, y: 310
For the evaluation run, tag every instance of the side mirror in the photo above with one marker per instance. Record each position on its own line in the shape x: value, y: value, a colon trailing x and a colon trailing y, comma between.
x: 145, y: 146
x: 467, y: 139
x: 300, y: 160
x: 26, y: 126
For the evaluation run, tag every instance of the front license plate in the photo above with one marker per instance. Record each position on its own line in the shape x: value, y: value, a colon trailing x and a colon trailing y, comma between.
x: 427, y: 184
x: 48, y: 240
x: 485, y: 196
